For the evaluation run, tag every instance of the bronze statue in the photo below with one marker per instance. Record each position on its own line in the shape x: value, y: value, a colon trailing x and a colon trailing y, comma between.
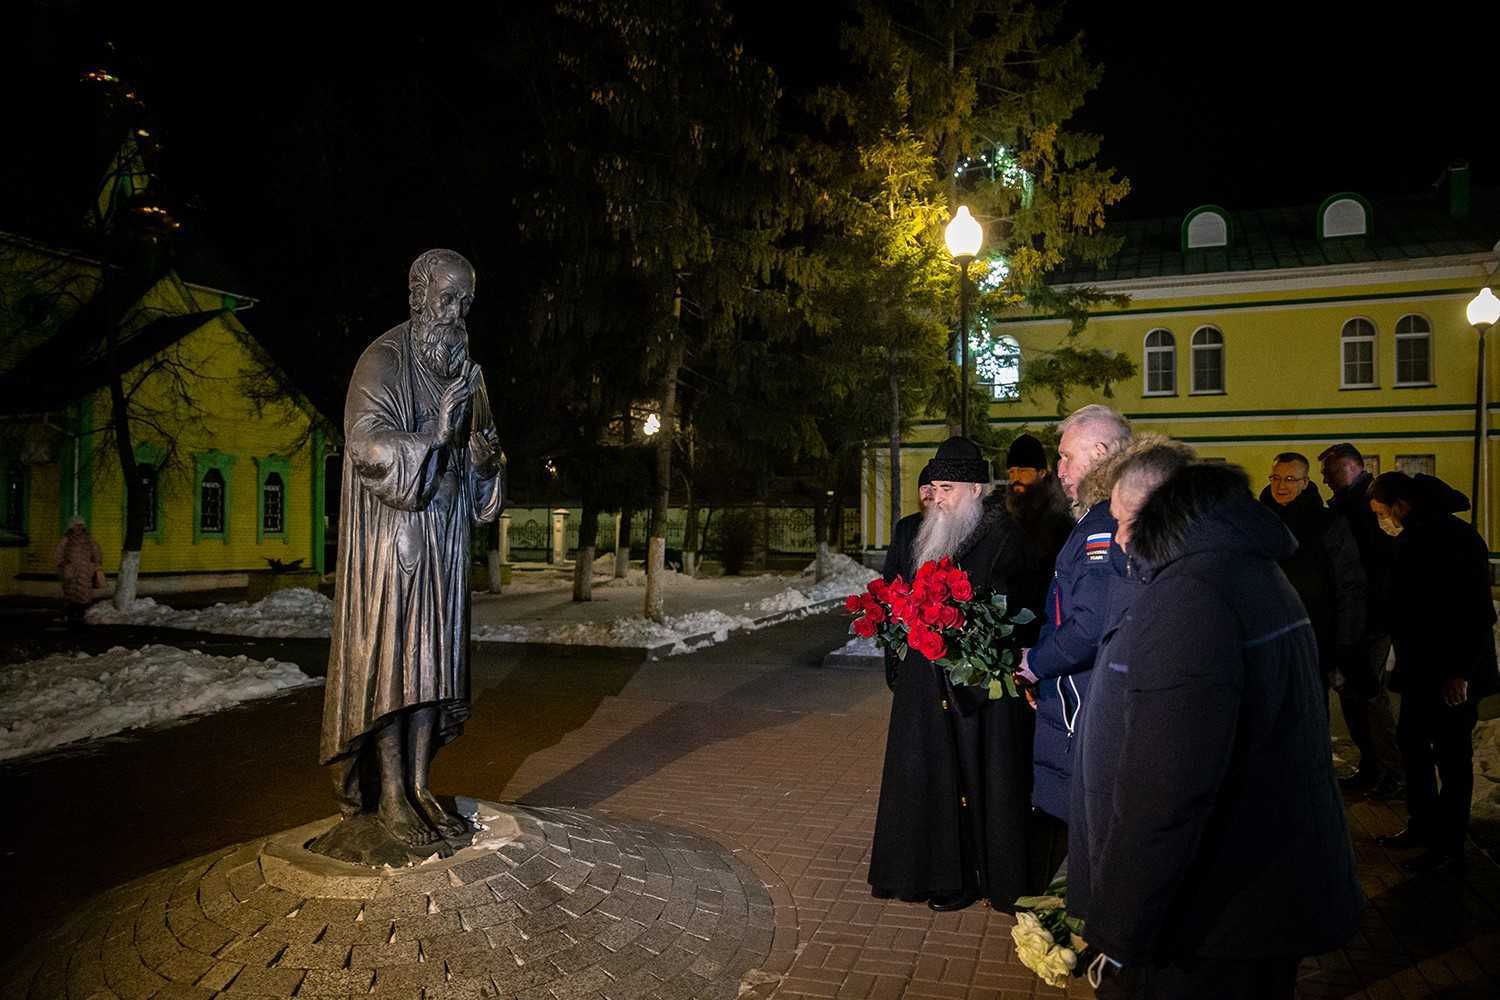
x: 422, y: 466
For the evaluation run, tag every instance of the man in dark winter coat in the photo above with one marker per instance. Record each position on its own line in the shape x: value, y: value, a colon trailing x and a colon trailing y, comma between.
x: 1363, y: 698
x: 1325, y: 570
x: 1209, y: 851
x: 1037, y: 501
x: 1073, y: 609
x: 1442, y: 622
x: 954, y: 820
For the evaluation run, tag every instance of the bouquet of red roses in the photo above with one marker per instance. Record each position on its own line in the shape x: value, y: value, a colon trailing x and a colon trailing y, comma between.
x: 939, y: 615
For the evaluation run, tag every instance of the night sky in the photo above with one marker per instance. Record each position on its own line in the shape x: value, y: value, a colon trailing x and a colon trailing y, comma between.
x: 310, y: 161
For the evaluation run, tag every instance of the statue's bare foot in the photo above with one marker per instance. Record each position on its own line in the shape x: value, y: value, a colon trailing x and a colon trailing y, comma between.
x: 445, y: 822
x: 406, y: 824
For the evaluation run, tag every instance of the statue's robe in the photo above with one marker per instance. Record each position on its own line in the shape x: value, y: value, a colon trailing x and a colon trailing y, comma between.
x: 401, y: 597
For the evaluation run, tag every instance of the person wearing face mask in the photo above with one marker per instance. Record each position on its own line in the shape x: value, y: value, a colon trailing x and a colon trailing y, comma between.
x: 1363, y: 698
x: 1325, y: 570
x: 1442, y: 625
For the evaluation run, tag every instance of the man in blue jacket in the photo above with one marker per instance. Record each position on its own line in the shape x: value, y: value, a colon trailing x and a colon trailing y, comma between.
x: 1073, y: 615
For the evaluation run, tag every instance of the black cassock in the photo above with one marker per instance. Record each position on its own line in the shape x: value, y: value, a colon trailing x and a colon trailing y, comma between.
x: 955, y: 810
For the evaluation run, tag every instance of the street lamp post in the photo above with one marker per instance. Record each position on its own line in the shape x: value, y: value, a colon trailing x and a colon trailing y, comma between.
x: 1483, y: 312
x: 964, y: 237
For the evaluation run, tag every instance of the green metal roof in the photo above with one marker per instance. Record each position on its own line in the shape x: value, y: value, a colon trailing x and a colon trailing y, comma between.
x: 1276, y: 238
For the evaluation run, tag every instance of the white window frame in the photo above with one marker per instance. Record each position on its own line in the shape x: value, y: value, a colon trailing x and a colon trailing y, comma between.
x: 1146, y: 351
x: 1193, y: 348
x: 1405, y: 462
x: 1426, y: 335
x: 1373, y: 339
x: 1008, y: 392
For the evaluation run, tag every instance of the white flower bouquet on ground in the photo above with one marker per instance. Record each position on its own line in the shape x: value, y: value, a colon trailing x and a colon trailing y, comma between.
x: 1047, y: 939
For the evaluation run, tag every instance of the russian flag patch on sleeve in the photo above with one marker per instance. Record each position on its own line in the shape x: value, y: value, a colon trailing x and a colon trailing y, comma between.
x: 1096, y: 546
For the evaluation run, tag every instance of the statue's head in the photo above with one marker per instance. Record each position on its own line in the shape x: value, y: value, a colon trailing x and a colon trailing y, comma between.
x: 441, y: 288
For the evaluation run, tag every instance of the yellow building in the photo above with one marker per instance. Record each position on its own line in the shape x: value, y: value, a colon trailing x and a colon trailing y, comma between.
x: 234, y: 484
x: 1259, y: 332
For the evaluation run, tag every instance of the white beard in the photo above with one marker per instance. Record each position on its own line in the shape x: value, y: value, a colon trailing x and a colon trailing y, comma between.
x: 943, y: 531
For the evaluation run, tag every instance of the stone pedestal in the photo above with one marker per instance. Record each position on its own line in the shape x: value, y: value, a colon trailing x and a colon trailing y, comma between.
x: 546, y: 901
x: 558, y: 553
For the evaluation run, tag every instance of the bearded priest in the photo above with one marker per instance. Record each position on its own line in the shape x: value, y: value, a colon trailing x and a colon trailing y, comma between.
x: 955, y: 823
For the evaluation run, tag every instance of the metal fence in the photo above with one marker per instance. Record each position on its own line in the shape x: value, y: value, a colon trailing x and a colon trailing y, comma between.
x: 788, y: 530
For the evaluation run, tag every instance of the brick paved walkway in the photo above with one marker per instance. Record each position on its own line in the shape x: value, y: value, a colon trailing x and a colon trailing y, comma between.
x: 747, y: 743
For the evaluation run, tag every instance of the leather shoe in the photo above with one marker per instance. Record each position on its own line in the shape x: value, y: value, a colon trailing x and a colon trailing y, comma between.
x: 947, y: 904
x: 1404, y: 841
x: 1360, y: 780
x: 1433, y: 862
x: 1387, y: 789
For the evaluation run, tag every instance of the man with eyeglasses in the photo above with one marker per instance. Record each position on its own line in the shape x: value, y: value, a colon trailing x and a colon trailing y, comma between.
x: 1325, y: 570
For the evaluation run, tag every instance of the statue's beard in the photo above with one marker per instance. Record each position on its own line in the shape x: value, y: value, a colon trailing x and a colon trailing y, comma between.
x: 442, y: 347
x: 943, y: 531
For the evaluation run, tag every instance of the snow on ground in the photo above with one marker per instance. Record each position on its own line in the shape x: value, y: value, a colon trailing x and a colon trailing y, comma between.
x: 307, y: 614
x: 635, y: 631
x: 293, y: 613
x: 847, y: 577
x: 860, y: 646
x: 65, y: 698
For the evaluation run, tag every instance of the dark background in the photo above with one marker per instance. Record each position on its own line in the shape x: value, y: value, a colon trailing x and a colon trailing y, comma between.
x: 310, y: 158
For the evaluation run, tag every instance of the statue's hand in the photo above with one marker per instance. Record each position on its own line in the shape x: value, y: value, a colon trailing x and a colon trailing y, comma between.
x: 451, y: 411
x: 485, y: 453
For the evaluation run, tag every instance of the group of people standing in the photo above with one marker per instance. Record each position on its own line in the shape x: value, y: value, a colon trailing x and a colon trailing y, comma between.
x: 1172, y: 751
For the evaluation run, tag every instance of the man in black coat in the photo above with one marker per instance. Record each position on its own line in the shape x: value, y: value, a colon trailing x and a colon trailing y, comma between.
x: 1042, y: 511
x: 1325, y: 571
x: 1442, y: 623
x: 954, y: 820
x: 1363, y: 698
x: 1208, y: 846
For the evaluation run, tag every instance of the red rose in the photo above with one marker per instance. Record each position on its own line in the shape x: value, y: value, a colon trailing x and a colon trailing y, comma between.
x: 927, y: 642
x: 877, y: 588
x: 875, y: 612
x: 949, y: 617
x: 932, y: 613
x: 864, y: 627
x: 853, y: 603
x: 961, y: 588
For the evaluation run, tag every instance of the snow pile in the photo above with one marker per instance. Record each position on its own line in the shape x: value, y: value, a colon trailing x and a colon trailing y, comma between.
x: 293, y: 613
x: 860, y: 646
x: 847, y: 577
x: 634, y: 632
x: 65, y: 698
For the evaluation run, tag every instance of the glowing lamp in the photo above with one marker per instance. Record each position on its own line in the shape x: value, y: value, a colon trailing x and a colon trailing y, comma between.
x: 1484, y: 309
x: 964, y: 235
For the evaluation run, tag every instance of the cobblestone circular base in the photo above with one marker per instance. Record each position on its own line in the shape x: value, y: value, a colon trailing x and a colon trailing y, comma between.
x: 563, y: 904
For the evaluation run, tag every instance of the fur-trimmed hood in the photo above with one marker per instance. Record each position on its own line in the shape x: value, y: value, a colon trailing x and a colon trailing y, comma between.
x: 1202, y: 507
x: 1099, y: 481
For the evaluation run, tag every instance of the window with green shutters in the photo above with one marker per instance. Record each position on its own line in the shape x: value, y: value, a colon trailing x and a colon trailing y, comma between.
x: 212, y: 498
x: 274, y: 477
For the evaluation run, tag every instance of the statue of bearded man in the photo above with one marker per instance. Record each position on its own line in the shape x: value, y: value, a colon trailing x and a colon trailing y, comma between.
x: 422, y: 467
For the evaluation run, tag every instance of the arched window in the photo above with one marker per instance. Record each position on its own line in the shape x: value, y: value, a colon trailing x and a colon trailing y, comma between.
x: 1357, y: 343
x: 211, y: 506
x: 1343, y: 215
x: 1161, y: 363
x: 15, y: 498
x: 1413, y: 351
x: 274, y: 501
x: 1208, y: 360
x: 999, y: 365
x: 1205, y: 227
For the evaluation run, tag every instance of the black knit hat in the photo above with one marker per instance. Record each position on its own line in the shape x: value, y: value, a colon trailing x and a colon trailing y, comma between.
x: 1025, y: 452
x: 924, y: 478
x: 958, y: 460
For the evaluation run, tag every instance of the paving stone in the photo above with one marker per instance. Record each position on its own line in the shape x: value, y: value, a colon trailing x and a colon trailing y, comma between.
x: 336, y: 982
